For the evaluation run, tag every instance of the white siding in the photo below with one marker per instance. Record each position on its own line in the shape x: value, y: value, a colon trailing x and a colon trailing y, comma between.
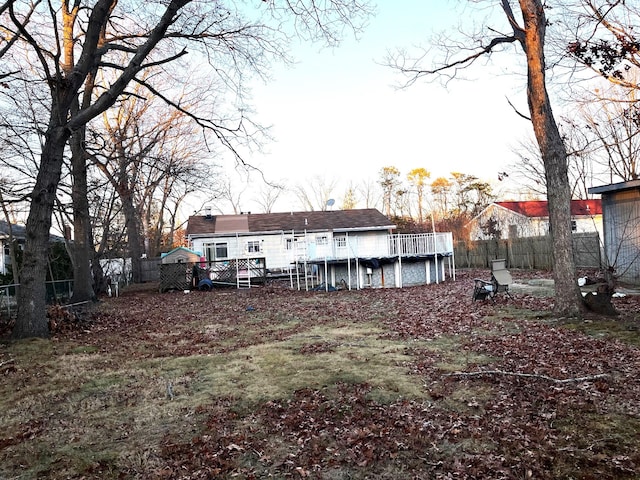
x: 283, y: 249
x: 4, y: 259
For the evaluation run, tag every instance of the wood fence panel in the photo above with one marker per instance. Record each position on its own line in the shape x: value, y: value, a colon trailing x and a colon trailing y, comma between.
x: 587, y: 250
x: 528, y: 253
x: 150, y: 269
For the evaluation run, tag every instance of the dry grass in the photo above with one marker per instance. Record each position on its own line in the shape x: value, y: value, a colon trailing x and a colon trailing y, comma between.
x: 282, y: 384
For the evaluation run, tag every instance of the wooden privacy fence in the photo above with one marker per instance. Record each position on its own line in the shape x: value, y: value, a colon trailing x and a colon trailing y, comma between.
x: 527, y: 252
x: 150, y: 269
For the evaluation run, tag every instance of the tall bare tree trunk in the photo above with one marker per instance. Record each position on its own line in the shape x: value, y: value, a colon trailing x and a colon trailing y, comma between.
x: 568, y: 300
x: 134, y: 239
x: 31, y: 320
x: 82, y: 246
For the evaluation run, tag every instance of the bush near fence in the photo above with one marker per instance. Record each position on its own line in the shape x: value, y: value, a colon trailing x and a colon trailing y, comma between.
x: 527, y: 252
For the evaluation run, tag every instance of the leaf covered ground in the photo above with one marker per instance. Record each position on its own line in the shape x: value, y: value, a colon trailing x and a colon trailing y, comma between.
x: 415, y: 383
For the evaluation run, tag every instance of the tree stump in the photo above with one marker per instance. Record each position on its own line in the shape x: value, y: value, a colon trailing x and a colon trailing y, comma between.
x: 600, y: 302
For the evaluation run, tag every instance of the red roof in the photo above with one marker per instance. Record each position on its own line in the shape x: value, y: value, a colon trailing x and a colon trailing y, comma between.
x: 540, y: 208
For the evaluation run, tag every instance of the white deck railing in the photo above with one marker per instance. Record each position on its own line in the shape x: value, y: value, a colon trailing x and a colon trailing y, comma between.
x: 403, y: 245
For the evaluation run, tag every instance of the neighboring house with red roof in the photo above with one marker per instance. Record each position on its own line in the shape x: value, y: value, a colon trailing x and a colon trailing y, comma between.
x: 357, y: 248
x: 531, y: 219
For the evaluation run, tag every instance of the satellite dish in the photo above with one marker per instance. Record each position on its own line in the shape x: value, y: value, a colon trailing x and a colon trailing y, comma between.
x: 330, y: 202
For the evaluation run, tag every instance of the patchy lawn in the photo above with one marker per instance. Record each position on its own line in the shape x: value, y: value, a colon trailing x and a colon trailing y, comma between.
x: 375, y: 384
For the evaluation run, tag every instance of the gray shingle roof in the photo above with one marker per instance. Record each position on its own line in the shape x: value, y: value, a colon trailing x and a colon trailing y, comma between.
x: 335, y: 220
x: 616, y: 187
x: 17, y: 230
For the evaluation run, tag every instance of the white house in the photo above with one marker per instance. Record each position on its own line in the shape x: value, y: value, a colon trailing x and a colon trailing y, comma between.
x: 354, y: 248
x: 531, y: 219
x: 18, y: 233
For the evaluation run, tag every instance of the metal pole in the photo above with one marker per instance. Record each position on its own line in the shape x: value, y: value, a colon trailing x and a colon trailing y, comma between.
x: 399, y: 262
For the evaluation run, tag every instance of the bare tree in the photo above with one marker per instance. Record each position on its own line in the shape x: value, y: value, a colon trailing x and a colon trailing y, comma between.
x: 418, y: 180
x: 350, y: 198
x: 268, y: 195
x: 151, y: 156
x: 402, y: 204
x: 370, y: 193
x: 231, y: 193
x: 389, y: 181
x: 314, y: 194
x: 64, y: 79
x: 614, y: 124
x: 528, y: 170
x: 184, y: 176
x: 529, y: 32
x: 22, y: 120
x: 441, y: 190
x: 581, y: 146
x: 105, y: 38
x: 11, y: 34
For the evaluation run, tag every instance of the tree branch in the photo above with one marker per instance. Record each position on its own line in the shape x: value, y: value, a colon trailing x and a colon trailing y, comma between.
x: 16, y: 36
x: 24, y: 33
x: 135, y: 65
x: 587, y: 378
x: 417, y: 73
x: 518, y: 31
x: 150, y: 64
x: 206, y: 124
x: 11, y: 361
x: 520, y: 114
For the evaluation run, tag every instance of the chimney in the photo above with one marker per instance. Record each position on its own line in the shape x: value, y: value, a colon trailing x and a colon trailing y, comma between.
x: 207, y: 213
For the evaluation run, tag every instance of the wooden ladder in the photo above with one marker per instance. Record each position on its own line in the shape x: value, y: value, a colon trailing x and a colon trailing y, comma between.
x: 243, y: 280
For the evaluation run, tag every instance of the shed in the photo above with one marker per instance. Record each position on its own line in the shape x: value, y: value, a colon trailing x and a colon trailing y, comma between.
x: 180, y: 255
x: 621, y: 224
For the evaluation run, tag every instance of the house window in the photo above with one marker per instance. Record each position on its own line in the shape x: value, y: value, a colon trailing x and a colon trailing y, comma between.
x: 253, y: 246
x: 221, y: 250
x: 298, y: 244
x: 322, y: 240
x: 7, y: 251
x: 574, y: 226
x: 216, y: 251
x: 341, y: 242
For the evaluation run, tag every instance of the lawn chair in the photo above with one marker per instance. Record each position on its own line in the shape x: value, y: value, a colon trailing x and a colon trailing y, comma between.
x: 500, y: 277
x: 482, y: 289
x: 499, y: 283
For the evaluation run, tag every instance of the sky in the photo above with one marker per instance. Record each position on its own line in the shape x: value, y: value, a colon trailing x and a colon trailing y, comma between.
x: 339, y: 114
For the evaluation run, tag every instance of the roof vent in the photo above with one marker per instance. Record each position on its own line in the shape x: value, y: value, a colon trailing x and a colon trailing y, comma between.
x: 207, y: 213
